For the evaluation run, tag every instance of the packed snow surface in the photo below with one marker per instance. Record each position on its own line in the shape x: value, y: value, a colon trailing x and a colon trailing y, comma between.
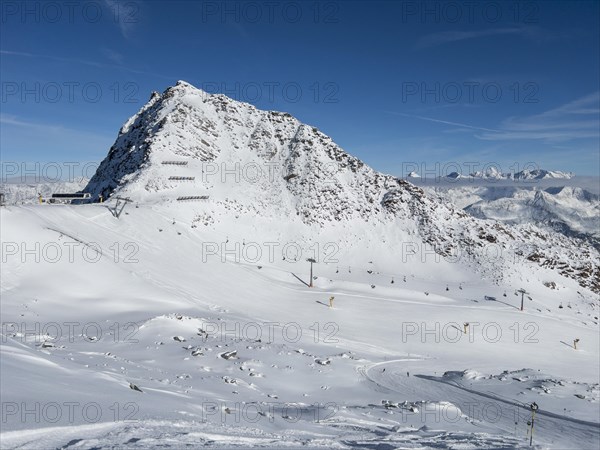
x: 232, y: 353
x: 192, y: 323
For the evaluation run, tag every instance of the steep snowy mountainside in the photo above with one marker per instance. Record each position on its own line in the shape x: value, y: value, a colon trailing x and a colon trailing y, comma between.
x: 249, y: 162
x: 163, y: 317
x: 183, y: 330
x: 282, y: 163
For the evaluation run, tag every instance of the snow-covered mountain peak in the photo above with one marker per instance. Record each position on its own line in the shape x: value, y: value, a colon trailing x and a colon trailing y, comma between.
x: 490, y: 173
x: 541, y: 174
x: 275, y: 158
x: 235, y: 160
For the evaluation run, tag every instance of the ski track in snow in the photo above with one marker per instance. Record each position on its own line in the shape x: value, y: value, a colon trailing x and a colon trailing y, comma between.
x: 553, y: 427
x: 389, y: 366
x: 361, y: 423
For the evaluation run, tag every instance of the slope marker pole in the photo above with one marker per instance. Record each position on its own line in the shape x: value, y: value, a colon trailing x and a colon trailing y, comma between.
x: 534, y: 407
x: 311, y: 261
x: 522, y: 292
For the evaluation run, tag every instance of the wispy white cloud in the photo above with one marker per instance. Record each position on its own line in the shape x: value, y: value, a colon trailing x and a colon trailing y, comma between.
x: 578, y: 119
x: 557, y: 136
x: 588, y: 104
x: 446, y: 122
x: 52, y: 58
x: 446, y: 37
x: 47, y: 128
x: 113, y: 55
x: 88, y: 63
x: 21, y: 135
x: 124, y: 14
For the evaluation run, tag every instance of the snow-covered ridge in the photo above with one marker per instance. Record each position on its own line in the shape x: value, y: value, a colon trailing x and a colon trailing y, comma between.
x: 158, y: 334
x: 299, y: 175
x: 219, y: 350
x: 493, y: 173
x: 569, y: 210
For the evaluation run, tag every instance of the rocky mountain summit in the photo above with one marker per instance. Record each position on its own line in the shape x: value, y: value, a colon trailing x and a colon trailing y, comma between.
x: 185, y: 144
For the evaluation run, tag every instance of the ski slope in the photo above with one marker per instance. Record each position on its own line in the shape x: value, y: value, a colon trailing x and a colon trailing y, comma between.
x: 229, y: 350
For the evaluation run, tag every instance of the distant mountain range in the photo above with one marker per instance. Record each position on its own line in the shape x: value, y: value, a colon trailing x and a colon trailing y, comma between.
x: 493, y: 174
x: 572, y: 211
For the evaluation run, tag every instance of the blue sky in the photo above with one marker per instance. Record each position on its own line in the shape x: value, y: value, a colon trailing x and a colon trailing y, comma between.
x: 397, y: 83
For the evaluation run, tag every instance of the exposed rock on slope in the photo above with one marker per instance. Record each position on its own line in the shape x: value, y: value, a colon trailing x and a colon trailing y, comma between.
x: 269, y: 163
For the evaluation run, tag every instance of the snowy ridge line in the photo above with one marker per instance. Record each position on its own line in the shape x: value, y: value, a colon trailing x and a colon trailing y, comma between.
x: 570, y: 210
x: 186, y: 433
x: 584, y: 430
x: 514, y: 403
